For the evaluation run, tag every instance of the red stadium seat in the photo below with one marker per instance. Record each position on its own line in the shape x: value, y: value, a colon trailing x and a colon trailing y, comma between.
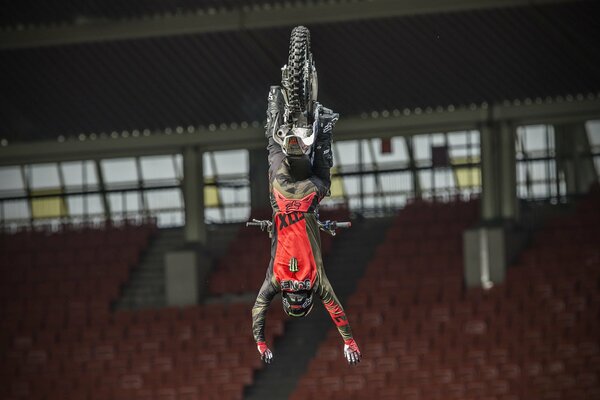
x: 423, y: 336
x: 527, y: 338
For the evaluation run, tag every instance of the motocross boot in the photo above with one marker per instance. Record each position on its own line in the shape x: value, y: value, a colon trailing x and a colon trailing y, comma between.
x: 325, y: 120
x: 275, y: 111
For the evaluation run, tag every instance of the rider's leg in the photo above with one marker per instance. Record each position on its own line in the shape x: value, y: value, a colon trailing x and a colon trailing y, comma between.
x: 275, y: 110
x: 323, y: 152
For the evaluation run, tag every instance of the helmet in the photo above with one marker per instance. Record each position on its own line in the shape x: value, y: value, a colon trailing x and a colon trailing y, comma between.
x: 297, y: 304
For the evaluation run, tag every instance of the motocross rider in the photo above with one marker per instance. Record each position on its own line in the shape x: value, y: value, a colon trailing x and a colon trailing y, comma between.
x: 299, y: 178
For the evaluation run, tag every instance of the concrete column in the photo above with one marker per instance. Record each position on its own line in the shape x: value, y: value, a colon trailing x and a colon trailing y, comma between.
x: 565, y: 158
x: 413, y: 167
x: 259, y: 179
x: 490, y: 204
x: 585, y: 171
x: 498, y: 173
x: 509, y: 210
x: 193, y: 195
x: 488, y: 247
x: 572, y: 157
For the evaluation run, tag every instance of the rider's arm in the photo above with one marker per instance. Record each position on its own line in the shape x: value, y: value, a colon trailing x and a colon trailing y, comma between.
x: 336, y: 311
x: 333, y: 306
x: 259, y: 311
x: 276, y: 157
x: 321, y: 177
x: 267, y: 291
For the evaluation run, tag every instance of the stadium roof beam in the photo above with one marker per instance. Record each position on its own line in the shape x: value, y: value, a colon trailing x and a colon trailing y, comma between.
x: 375, y: 125
x: 268, y: 15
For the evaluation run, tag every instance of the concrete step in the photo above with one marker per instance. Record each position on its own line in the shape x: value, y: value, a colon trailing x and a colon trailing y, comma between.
x: 155, y: 256
x: 161, y: 245
x: 139, y: 302
x: 150, y: 274
x: 152, y: 262
x: 146, y: 286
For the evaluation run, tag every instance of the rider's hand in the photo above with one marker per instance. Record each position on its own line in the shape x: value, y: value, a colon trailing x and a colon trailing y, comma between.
x: 265, y: 354
x: 325, y: 120
x: 351, y: 352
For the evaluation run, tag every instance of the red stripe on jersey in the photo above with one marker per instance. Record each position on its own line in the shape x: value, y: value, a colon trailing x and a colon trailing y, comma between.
x: 292, y: 241
x: 291, y: 205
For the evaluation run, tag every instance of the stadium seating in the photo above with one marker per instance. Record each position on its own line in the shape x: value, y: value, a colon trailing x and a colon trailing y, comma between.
x: 244, y: 266
x: 50, y: 278
x: 60, y: 340
x: 424, y: 336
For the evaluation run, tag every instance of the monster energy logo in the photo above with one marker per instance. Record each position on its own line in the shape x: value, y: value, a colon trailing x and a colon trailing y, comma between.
x: 293, y: 264
x: 291, y: 285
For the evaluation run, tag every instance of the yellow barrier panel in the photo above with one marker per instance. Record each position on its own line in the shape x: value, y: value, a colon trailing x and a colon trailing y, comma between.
x: 48, y: 207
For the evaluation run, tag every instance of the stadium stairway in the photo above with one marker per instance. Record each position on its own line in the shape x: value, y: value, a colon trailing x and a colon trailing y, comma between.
x: 350, y: 254
x: 146, y: 286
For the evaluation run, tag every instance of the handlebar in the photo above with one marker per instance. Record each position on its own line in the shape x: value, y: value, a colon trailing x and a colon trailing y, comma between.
x: 344, y: 225
x: 263, y: 223
x: 256, y: 223
x: 330, y: 226
x: 326, y: 226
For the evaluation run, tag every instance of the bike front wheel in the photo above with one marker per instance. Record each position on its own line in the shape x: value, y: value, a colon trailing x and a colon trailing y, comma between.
x: 302, y: 74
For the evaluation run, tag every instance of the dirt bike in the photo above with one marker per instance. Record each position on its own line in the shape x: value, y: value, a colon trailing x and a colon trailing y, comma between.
x: 299, y: 88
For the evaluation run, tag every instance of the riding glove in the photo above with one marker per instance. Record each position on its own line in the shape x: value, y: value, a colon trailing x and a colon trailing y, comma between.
x: 265, y: 354
x: 351, y: 352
